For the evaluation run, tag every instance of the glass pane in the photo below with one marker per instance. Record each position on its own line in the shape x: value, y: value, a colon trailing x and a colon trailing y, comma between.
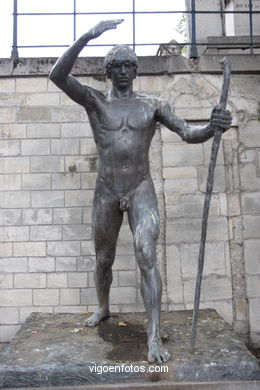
x: 98, y: 51
x: 256, y: 24
x: 123, y: 34
x: 147, y: 50
x: 104, y: 6
x: 6, y: 28
x: 43, y: 6
x: 32, y: 30
x: 88, y: 51
x: 41, y: 52
x: 157, y: 28
x: 165, y: 5
x: 241, y: 24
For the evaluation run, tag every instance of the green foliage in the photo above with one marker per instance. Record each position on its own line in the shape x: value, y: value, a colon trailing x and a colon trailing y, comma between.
x: 181, y: 29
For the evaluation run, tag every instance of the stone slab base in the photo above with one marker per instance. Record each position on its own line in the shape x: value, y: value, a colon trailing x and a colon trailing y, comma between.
x: 58, y: 350
x: 231, y: 385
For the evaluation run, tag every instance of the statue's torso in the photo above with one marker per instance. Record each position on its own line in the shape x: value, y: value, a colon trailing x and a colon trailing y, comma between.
x: 123, y: 130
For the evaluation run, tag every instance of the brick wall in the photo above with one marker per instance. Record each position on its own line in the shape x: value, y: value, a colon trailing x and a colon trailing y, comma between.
x: 48, y: 168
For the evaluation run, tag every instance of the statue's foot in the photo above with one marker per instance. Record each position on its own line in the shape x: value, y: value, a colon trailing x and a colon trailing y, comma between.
x: 157, y: 353
x: 97, y: 317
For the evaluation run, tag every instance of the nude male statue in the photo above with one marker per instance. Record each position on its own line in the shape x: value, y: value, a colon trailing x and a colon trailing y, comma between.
x: 123, y: 124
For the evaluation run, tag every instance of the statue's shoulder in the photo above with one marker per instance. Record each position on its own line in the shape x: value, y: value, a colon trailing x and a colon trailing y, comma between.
x: 157, y: 104
x: 95, y: 93
x: 149, y: 99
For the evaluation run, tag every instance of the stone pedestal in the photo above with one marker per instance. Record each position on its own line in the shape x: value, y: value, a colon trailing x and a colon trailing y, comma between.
x: 58, y: 350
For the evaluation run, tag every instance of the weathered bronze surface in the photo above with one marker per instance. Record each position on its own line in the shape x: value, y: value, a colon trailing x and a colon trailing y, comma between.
x: 123, y: 124
x: 209, y: 188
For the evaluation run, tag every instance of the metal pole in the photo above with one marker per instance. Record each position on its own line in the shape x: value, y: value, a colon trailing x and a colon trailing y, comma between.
x: 134, y: 25
x: 14, y: 53
x: 193, y: 50
x: 74, y: 20
x: 251, y: 24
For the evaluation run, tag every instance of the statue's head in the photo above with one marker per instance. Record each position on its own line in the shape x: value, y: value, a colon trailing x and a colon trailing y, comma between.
x: 120, y: 54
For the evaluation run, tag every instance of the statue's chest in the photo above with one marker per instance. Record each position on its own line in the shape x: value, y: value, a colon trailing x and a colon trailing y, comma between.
x: 132, y: 116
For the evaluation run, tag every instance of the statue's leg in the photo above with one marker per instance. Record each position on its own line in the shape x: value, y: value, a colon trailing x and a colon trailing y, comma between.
x: 144, y: 223
x: 107, y: 220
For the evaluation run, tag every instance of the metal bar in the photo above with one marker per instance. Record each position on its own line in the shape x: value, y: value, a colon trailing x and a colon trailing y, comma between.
x: 250, y: 25
x: 14, y: 53
x: 222, y: 19
x: 150, y: 44
x: 74, y: 19
x: 224, y: 12
x: 193, y: 50
x: 193, y: 12
x: 130, y: 12
x: 134, y: 25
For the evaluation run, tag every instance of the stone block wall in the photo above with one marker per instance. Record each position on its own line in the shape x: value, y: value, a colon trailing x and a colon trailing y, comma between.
x: 48, y: 169
x: 185, y: 174
x: 48, y: 166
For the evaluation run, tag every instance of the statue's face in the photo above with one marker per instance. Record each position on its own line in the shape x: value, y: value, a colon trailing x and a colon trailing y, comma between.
x: 122, y: 74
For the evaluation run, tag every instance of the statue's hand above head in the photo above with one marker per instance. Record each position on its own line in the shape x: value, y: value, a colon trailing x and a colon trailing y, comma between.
x: 103, y: 26
x: 221, y: 117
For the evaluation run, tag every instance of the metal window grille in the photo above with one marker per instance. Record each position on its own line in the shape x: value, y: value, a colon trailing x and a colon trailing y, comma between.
x: 193, y: 43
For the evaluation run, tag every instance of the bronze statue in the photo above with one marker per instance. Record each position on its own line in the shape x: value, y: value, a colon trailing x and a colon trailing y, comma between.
x: 123, y: 124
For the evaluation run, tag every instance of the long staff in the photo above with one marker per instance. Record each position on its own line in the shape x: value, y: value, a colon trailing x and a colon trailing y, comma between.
x: 225, y: 65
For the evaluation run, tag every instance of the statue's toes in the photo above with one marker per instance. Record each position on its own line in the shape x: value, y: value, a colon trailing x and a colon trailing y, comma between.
x: 91, y: 322
x: 158, y: 354
x: 165, y: 356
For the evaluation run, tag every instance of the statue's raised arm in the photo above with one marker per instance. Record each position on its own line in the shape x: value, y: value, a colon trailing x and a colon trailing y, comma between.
x: 60, y: 73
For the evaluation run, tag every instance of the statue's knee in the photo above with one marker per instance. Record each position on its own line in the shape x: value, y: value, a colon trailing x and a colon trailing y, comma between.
x: 145, y: 239
x: 146, y: 254
x: 105, y: 258
x: 146, y: 263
